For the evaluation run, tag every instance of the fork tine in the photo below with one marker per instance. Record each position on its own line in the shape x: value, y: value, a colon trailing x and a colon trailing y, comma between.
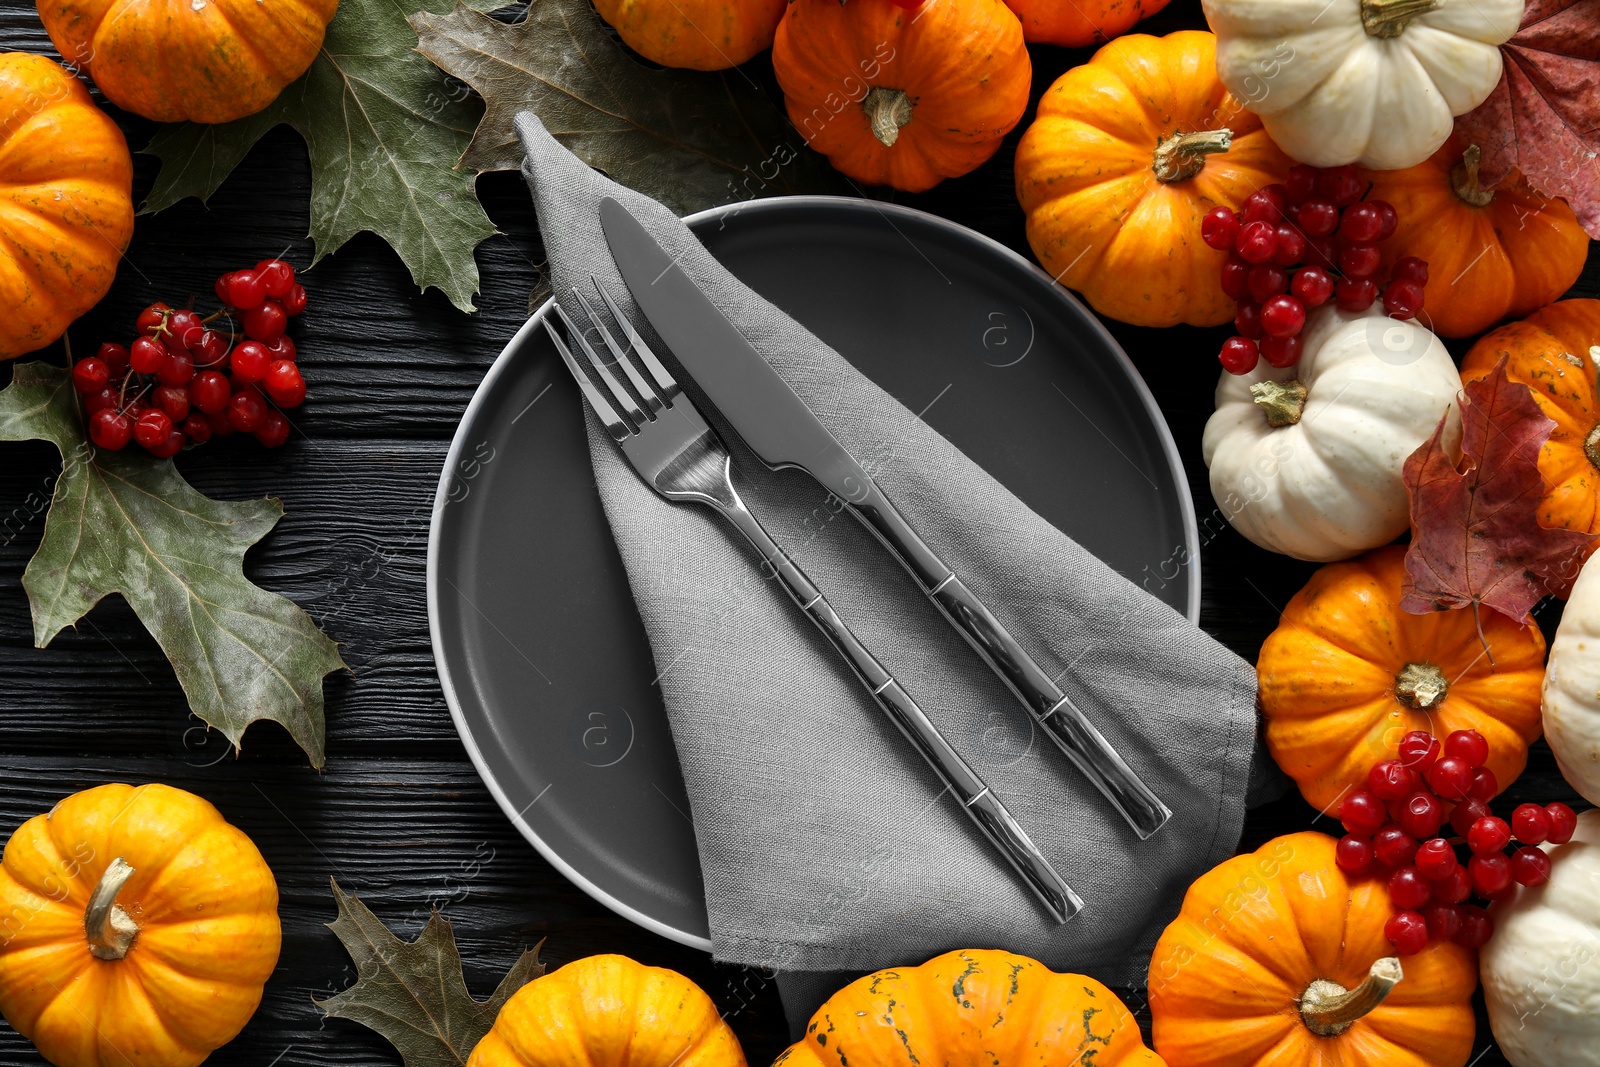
x: 625, y: 401
x: 620, y: 431
x: 669, y: 386
x: 640, y: 386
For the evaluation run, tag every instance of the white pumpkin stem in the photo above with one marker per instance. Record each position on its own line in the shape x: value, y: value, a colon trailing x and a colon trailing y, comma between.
x: 1183, y: 155
x: 887, y: 110
x: 1464, y: 179
x: 1281, y: 402
x: 1389, y: 18
x: 111, y: 930
x: 1328, y: 1009
x: 1420, y: 686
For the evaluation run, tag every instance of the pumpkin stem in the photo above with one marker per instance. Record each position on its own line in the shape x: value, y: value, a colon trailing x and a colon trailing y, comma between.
x: 1389, y: 18
x: 1282, y: 402
x: 1591, y: 446
x: 887, y: 110
x: 1183, y: 155
x: 1464, y: 179
x: 1420, y: 686
x: 1328, y: 1009
x: 110, y: 929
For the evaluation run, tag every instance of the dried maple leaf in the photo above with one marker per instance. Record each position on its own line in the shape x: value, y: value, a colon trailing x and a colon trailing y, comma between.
x: 1544, y: 117
x: 413, y: 993
x: 1475, y: 533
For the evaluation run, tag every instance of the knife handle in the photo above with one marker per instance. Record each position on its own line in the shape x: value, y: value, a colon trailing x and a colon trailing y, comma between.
x: 1050, y: 708
x: 979, y: 802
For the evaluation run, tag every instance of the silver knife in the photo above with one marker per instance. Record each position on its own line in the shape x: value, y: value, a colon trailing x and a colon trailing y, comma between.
x: 781, y: 430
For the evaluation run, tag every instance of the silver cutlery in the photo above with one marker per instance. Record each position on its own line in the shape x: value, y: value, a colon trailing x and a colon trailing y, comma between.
x: 678, y: 455
x: 780, y: 429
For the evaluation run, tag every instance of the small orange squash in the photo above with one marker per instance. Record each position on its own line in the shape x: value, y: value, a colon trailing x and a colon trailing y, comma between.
x: 1128, y: 153
x: 970, y: 1007
x: 1492, y: 253
x: 136, y: 927
x: 1080, y: 23
x: 608, y: 1011
x: 1348, y: 673
x: 1278, y: 958
x: 902, y: 97
x: 1555, y: 351
x: 200, y: 60
x: 696, y: 34
x: 66, y: 201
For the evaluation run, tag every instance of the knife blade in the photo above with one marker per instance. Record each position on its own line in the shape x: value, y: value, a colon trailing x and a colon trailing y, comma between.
x: 778, y: 427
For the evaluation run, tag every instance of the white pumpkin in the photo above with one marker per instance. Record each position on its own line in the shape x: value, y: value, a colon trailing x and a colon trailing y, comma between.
x: 1572, y: 688
x: 1541, y: 970
x: 1307, y: 460
x: 1374, y: 82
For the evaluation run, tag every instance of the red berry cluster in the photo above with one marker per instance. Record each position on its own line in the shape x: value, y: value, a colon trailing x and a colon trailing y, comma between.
x: 1294, y: 246
x: 1394, y: 830
x: 182, y: 381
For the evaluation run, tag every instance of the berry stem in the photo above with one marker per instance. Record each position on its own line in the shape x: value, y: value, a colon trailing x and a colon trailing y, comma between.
x: 1328, y: 1009
x: 1464, y: 179
x: 1183, y: 155
x: 1389, y: 18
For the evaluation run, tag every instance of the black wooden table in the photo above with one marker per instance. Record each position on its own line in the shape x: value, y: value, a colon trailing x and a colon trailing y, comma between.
x: 399, y: 816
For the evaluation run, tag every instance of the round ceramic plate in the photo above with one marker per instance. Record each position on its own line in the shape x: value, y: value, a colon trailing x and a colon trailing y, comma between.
x: 543, y: 659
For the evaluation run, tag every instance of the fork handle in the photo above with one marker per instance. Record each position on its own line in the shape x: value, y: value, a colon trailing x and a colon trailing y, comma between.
x: 979, y: 802
x: 1051, y: 708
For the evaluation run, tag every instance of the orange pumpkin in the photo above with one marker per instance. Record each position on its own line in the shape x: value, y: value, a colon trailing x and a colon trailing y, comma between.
x: 136, y: 927
x: 902, y: 97
x: 697, y: 34
x: 1556, y: 351
x: 1491, y: 253
x: 66, y: 201
x: 1348, y: 673
x: 1278, y: 958
x: 200, y: 60
x: 1082, y: 22
x: 1128, y: 153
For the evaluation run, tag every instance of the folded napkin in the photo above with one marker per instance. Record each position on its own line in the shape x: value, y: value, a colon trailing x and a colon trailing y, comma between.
x: 824, y: 840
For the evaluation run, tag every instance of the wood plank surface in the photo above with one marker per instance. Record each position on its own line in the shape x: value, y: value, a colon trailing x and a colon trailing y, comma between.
x: 399, y: 816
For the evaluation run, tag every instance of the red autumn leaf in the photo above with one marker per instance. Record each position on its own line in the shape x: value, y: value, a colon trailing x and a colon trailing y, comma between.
x: 1475, y: 534
x: 1544, y: 117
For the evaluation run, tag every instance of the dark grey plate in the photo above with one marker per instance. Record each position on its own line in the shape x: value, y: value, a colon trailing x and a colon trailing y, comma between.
x: 544, y: 662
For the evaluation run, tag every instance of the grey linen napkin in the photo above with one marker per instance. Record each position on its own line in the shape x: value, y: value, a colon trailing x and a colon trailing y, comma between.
x: 824, y: 841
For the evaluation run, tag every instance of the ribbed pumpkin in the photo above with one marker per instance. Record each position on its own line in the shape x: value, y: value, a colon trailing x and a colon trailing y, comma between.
x: 1491, y: 253
x: 608, y: 1011
x: 66, y: 201
x: 902, y: 97
x: 136, y: 927
x: 1277, y: 958
x: 1347, y: 673
x: 971, y: 1007
x: 697, y: 34
x: 1556, y: 351
x: 1080, y: 23
x: 1128, y: 153
x: 202, y: 60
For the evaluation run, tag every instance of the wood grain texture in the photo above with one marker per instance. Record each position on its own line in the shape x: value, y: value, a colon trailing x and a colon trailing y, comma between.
x: 399, y: 816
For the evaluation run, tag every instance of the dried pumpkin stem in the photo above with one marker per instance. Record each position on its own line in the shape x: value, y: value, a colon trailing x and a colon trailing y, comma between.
x: 110, y: 929
x: 1389, y: 18
x: 887, y: 110
x: 1591, y: 447
x: 1464, y: 179
x: 1420, y: 686
x: 1328, y: 1009
x: 1282, y: 402
x: 1183, y: 155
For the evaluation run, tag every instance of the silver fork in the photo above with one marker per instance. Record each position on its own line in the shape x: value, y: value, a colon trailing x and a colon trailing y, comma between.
x: 673, y: 449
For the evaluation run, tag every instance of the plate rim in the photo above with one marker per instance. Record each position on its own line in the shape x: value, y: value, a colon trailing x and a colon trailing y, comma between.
x: 502, y: 362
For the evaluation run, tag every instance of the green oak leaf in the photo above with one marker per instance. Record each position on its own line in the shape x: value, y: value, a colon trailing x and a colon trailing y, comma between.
x: 124, y: 522
x: 690, y: 139
x: 414, y: 994
x: 385, y: 133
